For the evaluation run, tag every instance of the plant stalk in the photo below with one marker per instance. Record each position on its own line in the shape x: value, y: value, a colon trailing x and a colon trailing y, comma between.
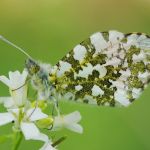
x: 17, y: 140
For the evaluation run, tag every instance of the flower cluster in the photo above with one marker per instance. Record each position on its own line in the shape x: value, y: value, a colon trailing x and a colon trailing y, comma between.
x: 28, y: 117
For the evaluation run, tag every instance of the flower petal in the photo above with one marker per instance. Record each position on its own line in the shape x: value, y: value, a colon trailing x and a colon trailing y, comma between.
x: 42, y: 137
x: 14, y: 111
x: 5, y: 80
x: 16, y: 79
x: 68, y: 121
x: 36, y: 114
x: 73, y: 117
x: 13, y: 76
x: 75, y: 127
x: 47, y: 146
x: 58, y: 123
x: 24, y: 74
x: 3, y: 99
x: 7, y: 101
x: 30, y: 130
x: 20, y: 95
x: 6, y: 118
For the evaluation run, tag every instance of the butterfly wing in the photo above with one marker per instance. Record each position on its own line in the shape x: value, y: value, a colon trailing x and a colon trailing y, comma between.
x: 109, y: 68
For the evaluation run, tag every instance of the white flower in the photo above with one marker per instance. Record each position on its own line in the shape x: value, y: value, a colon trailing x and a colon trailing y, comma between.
x: 6, y: 118
x: 47, y: 146
x: 20, y: 111
x: 69, y: 121
x: 26, y: 125
x: 18, y: 88
x: 24, y: 122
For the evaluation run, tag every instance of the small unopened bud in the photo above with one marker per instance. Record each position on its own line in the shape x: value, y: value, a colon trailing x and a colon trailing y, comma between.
x: 45, y: 123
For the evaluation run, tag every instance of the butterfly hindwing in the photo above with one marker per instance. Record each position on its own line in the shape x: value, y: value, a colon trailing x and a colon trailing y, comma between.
x: 109, y: 68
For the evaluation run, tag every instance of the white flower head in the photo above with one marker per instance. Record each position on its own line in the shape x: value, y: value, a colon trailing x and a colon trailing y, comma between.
x: 15, y: 80
x: 17, y: 86
x: 24, y: 121
x: 69, y: 121
x: 20, y: 110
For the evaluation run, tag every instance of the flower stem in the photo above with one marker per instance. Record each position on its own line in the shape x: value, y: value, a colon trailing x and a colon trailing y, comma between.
x: 17, y: 140
x: 59, y: 141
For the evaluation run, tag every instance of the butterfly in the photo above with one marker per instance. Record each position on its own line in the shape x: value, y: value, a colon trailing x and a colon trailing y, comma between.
x: 107, y: 69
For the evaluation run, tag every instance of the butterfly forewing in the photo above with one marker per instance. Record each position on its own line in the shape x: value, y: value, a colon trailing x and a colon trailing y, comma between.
x: 109, y: 68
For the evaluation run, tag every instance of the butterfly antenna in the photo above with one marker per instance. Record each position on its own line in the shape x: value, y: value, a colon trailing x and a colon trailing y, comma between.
x: 17, y: 47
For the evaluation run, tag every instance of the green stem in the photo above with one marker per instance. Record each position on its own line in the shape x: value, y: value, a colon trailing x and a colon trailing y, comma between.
x: 59, y: 141
x: 17, y: 140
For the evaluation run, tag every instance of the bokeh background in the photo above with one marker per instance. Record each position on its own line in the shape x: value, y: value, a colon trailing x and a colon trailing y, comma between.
x: 48, y: 29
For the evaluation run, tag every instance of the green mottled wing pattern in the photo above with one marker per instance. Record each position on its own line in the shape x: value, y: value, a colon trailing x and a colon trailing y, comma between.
x: 109, y: 68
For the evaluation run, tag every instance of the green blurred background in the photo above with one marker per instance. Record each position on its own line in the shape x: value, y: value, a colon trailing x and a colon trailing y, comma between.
x: 48, y: 29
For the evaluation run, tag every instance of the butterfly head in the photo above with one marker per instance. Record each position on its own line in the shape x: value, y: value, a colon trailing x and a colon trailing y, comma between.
x: 32, y: 66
